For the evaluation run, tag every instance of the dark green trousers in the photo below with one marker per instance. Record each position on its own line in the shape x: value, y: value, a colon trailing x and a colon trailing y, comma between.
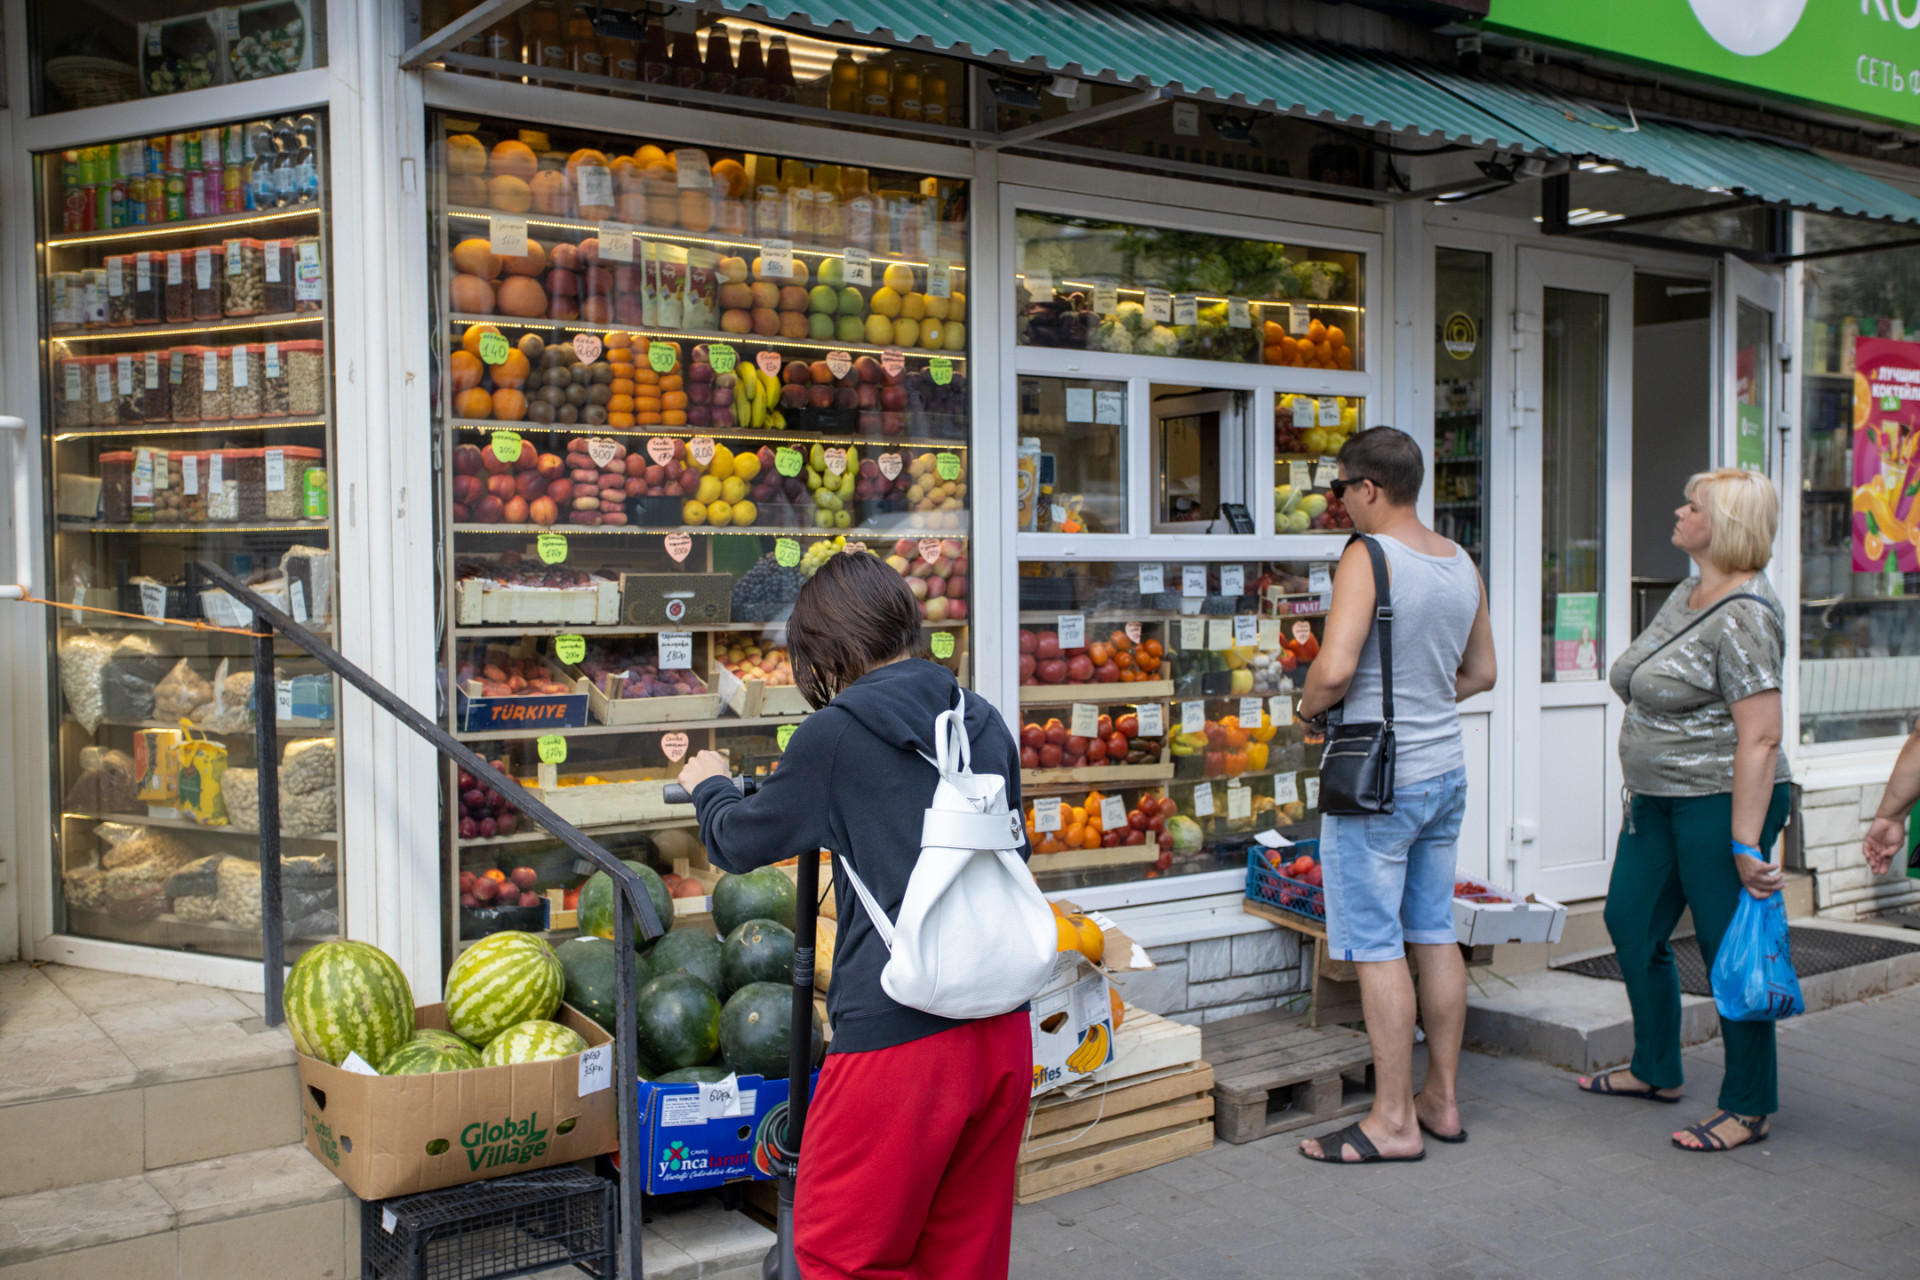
x: 1675, y: 853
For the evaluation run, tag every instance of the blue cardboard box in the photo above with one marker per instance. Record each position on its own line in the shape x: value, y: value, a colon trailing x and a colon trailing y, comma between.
x: 691, y: 1146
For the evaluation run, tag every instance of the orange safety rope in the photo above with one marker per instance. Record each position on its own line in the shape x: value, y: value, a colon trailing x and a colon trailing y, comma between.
x: 141, y: 617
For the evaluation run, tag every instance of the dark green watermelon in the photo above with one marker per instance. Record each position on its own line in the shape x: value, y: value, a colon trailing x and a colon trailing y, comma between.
x: 694, y: 1075
x: 679, y: 1017
x: 765, y: 894
x: 758, y: 951
x: 693, y: 951
x: 596, y: 902
x: 592, y: 979
x: 755, y: 1027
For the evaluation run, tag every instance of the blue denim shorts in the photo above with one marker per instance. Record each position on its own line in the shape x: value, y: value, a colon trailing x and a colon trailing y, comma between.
x: 1389, y: 876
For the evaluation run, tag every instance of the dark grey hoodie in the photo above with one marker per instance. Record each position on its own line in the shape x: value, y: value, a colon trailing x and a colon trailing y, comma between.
x: 852, y: 781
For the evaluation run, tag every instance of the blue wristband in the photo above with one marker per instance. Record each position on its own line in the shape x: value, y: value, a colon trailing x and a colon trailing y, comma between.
x: 1749, y: 850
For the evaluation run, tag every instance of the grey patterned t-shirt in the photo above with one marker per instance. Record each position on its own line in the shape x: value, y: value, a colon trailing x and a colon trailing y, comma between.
x: 1679, y: 736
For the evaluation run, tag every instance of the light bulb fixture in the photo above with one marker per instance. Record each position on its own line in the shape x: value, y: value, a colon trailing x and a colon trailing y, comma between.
x: 1233, y: 128
x: 1021, y: 92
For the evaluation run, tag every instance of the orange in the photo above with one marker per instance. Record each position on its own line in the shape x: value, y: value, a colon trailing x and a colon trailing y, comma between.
x: 1316, y: 332
x: 466, y: 369
x: 1335, y: 337
x: 515, y: 159
x: 513, y: 371
x: 471, y: 339
x: 1117, y: 1005
x: 1067, y: 938
x: 509, y: 405
x: 465, y: 154
x: 510, y: 194
x: 651, y: 155
x: 473, y: 403
x: 1058, y: 914
x: 1092, y: 945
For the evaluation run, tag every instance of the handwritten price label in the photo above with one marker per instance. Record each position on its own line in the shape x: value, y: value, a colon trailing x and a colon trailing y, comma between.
x: 587, y: 346
x: 929, y: 549
x: 784, y: 734
x: 947, y: 466
x: 596, y: 1070
x: 891, y: 465
x: 552, y: 547
x: 786, y: 552
x: 603, y: 451
x: 661, y: 450
x: 836, y: 460
x: 552, y: 748
x: 941, y: 370
x: 661, y: 357
x: 943, y: 644
x: 769, y: 362
x: 839, y: 363
x: 494, y: 348
x: 722, y: 357
x: 506, y: 446
x: 700, y: 449
x: 786, y: 461
x: 679, y: 546
x: 673, y: 746
x: 893, y: 362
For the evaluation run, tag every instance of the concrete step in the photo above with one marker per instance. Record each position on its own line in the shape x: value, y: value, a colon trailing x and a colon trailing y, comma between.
x: 106, y: 1076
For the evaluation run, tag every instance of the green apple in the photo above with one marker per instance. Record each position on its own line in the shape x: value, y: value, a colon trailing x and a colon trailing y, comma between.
x: 850, y: 329
x: 822, y: 299
x: 1314, y: 504
x: 851, y: 301
x: 833, y: 273
x: 820, y: 326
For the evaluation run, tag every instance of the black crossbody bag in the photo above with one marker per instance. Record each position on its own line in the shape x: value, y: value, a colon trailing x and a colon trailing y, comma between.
x: 1356, y: 768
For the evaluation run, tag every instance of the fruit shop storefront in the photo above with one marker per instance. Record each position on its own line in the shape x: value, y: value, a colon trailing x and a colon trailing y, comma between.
x: 654, y: 311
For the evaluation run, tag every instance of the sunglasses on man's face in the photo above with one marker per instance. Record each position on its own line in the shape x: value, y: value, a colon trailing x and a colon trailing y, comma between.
x: 1339, y: 487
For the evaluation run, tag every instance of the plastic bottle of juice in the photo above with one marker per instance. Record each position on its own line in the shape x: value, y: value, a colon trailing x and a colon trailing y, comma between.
x: 769, y: 198
x: 829, y: 228
x: 798, y: 221
x: 876, y: 87
x: 843, y: 83
x: 856, y: 208
x: 906, y: 89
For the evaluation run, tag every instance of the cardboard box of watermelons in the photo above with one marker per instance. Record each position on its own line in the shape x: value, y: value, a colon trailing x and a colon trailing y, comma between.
x: 395, y: 1135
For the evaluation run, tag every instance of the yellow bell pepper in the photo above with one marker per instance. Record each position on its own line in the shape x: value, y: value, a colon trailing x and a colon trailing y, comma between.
x: 1266, y: 730
x: 1256, y: 757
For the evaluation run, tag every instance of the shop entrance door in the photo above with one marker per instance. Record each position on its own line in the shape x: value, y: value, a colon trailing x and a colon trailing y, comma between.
x: 1573, y: 421
x: 1749, y: 367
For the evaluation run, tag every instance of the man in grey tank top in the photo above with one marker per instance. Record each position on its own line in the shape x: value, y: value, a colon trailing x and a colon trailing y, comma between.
x: 1389, y: 877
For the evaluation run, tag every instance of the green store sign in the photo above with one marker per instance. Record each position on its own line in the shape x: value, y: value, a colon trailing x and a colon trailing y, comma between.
x: 1858, y: 55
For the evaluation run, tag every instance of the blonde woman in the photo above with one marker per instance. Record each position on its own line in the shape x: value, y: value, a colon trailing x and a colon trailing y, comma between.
x: 1706, y: 795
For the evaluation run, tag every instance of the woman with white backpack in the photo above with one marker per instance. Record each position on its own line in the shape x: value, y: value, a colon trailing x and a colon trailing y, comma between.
x: 907, y: 1168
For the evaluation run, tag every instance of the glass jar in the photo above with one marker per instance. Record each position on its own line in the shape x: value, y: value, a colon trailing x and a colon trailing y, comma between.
x: 148, y: 283
x: 308, y: 284
x: 275, y: 381
x: 193, y: 487
x: 169, y: 493
x: 216, y: 385
x: 72, y: 396
x: 276, y: 277
x: 184, y: 382
x: 119, y: 268
x: 306, y: 365
x: 209, y: 285
x: 116, y: 486
x: 246, y: 368
x: 129, y: 374
x: 285, y: 475
x: 156, y: 401
x: 246, y: 278
x: 223, y: 485
x: 250, y: 468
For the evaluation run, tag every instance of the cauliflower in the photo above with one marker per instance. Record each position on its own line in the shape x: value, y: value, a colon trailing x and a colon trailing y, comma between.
x: 1113, y: 336
x: 1160, y: 341
x: 1133, y: 316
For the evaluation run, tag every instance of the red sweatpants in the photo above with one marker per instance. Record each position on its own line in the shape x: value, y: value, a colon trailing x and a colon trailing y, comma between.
x: 907, y: 1167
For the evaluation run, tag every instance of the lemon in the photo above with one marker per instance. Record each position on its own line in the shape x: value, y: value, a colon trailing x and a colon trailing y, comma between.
x: 913, y: 306
x: 719, y: 512
x: 886, y: 302
x: 746, y: 465
x: 722, y: 464
x: 709, y: 490
x: 898, y: 277
x: 957, y: 306
x: 938, y: 307
x: 733, y: 489
x: 693, y: 512
x: 745, y: 512
x: 956, y: 339
x: 879, y: 330
x: 932, y: 334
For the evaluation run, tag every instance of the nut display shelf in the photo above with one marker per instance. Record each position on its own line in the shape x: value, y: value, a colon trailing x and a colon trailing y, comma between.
x: 1101, y: 617
x: 1060, y: 695
x: 186, y: 227
x: 463, y: 322
x: 678, y: 236
x: 210, y: 528
x: 219, y: 937
x: 196, y: 429
x: 181, y: 824
x: 238, y: 325
x: 638, y: 730
x: 722, y: 434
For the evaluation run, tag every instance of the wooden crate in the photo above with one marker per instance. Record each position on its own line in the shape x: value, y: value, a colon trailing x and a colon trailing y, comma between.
x: 1121, y: 855
x: 1060, y: 695
x: 1104, y: 776
x: 627, y: 795
x: 608, y: 709
x: 482, y: 603
x: 1147, y: 1042
x: 1273, y: 1072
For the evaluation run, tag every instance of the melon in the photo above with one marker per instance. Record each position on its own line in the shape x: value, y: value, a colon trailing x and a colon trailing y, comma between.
x: 503, y: 979
x: 596, y: 902
x: 679, y: 1021
x: 348, y: 997
x: 755, y: 1027
x: 765, y: 894
x: 535, y: 1040
x: 592, y: 976
x: 694, y: 1075
x: 429, y: 1035
x: 423, y: 1057
x: 757, y: 951
x: 693, y: 951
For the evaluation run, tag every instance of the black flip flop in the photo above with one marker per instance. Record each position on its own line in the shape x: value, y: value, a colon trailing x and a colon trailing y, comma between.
x: 1356, y: 1137
x: 1437, y: 1136
x: 1602, y: 1085
x: 1711, y: 1142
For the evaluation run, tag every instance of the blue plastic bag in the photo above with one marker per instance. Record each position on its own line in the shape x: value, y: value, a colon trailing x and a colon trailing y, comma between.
x: 1753, y: 977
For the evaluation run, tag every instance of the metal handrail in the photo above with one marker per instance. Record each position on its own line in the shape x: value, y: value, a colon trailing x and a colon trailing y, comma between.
x: 631, y: 905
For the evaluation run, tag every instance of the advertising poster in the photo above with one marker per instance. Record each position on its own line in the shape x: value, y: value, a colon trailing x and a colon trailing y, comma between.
x: 1886, y: 472
x: 1576, y: 636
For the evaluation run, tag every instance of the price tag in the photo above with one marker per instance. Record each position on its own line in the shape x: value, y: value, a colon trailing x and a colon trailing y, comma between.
x: 358, y: 1065
x: 1039, y: 285
x: 1110, y: 408
x: 676, y: 650
x: 947, y: 466
x: 1269, y: 634
x: 123, y: 366
x: 1113, y: 813
x: 674, y: 746
x: 1297, y: 319
x: 835, y: 460
x: 276, y: 470
x: 190, y: 475
x: 1301, y: 407
x: 1246, y: 631
x: 661, y: 357
x: 660, y: 449
x: 494, y: 348
x: 77, y: 388
x: 784, y: 734
x: 1329, y: 411
x: 1153, y: 719
x: 552, y: 547
x: 552, y: 748
x: 700, y: 449
x: 1193, y: 581
x: 1085, y: 721
x: 507, y: 236
x: 596, y: 1070
x: 570, y: 649
x: 722, y: 357
x: 1159, y: 306
x: 233, y: 258
x: 203, y: 269
x: 721, y: 1099
x: 1106, y: 298
x: 942, y: 645
x: 1193, y: 716
x: 1186, y: 310
x: 940, y: 369
x: 1193, y: 633
x: 769, y: 362
x: 215, y: 480
x: 1073, y: 630
x: 283, y: 699
x: 1251, y: 710
x: 603, y: 451
x: 1203, y: 800
x: 173, y: 268
x: 143, y: 273
x: 588, y: 347
x: 1285, y: 788
x: 153, y: 601
x: 776, y: 260
x: 858, y: 265
x: 1219, y: 634
x: 1046, y: 813
x: 616, y: 242
x: 297, y: 598
x: 892, y: 362
x: 1233, y: 579
x: 1312, y: 787
x: 1299, y: 475
x: 1153, y: 579
x: 1239, y: 316
x: 209, y: 370
x: 1325, y: 472
x: 240, y: 368
x: 1320, y: 580
x: 1057, y: 514
x: 939, y: 278
x: 505, y: 446
x: 839, y: 363
x: 117, y: 277
x: 786, y: 552
x: 1186, y: 119
x: 1239, y: 802
x: 786, y: 461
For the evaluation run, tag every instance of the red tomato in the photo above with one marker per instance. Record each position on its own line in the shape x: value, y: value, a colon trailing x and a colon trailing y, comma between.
x: 1129, y: 725
x: 1117, y: 744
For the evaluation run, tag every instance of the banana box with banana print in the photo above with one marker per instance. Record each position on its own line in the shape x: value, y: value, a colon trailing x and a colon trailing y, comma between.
x: 1072, y: 1016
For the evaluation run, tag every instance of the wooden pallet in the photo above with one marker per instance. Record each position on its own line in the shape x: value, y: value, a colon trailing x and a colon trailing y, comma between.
x: 1147, y: 1042
x: 1116, y: 1129
x: 1274, y: 1072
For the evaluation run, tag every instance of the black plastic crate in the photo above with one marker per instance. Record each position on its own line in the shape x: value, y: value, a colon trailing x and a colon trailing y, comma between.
x: 494, y: 1229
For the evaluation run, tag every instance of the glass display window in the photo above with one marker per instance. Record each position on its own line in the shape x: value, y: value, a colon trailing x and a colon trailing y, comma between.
x: 186, y: 325
x: 1308, y: 431
x: 1462, y: 465
x: 1072, y: 456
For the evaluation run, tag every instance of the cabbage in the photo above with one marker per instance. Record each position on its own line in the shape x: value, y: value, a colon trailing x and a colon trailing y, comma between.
x: 1134, y: 316
x: 1185, y: 834
x: 1113, y: 336
x: 1160, y: 341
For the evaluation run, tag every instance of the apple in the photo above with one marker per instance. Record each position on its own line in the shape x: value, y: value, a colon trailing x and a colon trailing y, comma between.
x: 467, y: 460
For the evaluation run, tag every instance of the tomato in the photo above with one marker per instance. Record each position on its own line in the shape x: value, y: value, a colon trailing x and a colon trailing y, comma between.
x: 1105, y: 728
x: 1032, y: 735
x: 1029, y: 758
x: 1129, y: 725
x: 1168, y: 807
x: 1097, y: 750
x: 1117, y: 744
x: 1110, y: 839
x: 1157, y: 824
x: 1050, y: 756
x: 1134, y: 837
x: 1137, y: 820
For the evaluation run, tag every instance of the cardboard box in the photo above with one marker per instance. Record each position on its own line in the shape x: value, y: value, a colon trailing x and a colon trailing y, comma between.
x: 544, y: 712
x: 395, y: 1135
x: 1482, y: 924
x: 675, y: 599
x: 1075, y: 1007
x: 694, y: 1140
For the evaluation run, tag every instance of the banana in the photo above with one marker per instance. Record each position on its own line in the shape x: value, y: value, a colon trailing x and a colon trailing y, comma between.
x: 1092, y: 1053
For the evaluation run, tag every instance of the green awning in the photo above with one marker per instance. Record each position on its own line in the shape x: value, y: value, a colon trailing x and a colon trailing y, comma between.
x: 1119, y: 45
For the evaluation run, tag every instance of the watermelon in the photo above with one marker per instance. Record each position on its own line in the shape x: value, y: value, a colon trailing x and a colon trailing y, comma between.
x: 756, y: 1026
x: 694, y: 1075
x: 535, y: 1040
x: 446, y: 1039
x: 422, y: 1057
x: 765, y: 894
x: 679, y: 1022
x: 758, y: 951
x: 592, y: 979
x: 596, y: 902
x: 693, y: 951
x: 503, y: 979
x: 348, y: 997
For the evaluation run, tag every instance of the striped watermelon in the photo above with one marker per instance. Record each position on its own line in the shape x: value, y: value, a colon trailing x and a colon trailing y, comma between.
x: 445, y: 1039
x: 532, y: 1041
x: 420, y: 1057
x: 348, y: 997
x: 503, y: 979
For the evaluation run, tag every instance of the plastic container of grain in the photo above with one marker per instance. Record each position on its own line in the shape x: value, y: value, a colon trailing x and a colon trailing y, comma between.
x: 209, y: 280
x: 276, y: 277
x: 246, y: 278
x: 116, y: 486
x: 156, y: 402
x: 193, y: 486
x: 306, y: 363
x: 184, y: 380
x: 72, y: 393
x: 250, y: 465
x: 286, y: 480
x: 179, y: 287
x: 246, y: 369
x: 129, y: 382
x: 119, y: 268
x: 216, y: 385
x: 222, y: 481
x: 147, y: 277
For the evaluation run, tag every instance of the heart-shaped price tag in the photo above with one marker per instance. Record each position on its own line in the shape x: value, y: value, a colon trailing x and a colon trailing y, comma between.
x: 890, y: 465
x: 552, y: 547
x: 604, y: 451
x: 587, y: 346
x: 506, y: 446
x: 700, y: 449
x: 786, y: 552
x: 839, y: 363
x: 836, y: 460
x: 786, y: 461
x: 722, y: 357
x: 661, y: 357
x: 854, y: 549
x: 679, y: 546
x: 660, y: 449
x: 570, y: 649
x: 947, y: 466
x: 1133, y: 632
x: 552, y: 748
x: 929, y: 549
x: 674, y: 746
x: 494, y: 348
x: 941, y: 370
x: 769, y: 362
x: 893, y: 362
x: 942, y: 644
x: 784, y: 734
